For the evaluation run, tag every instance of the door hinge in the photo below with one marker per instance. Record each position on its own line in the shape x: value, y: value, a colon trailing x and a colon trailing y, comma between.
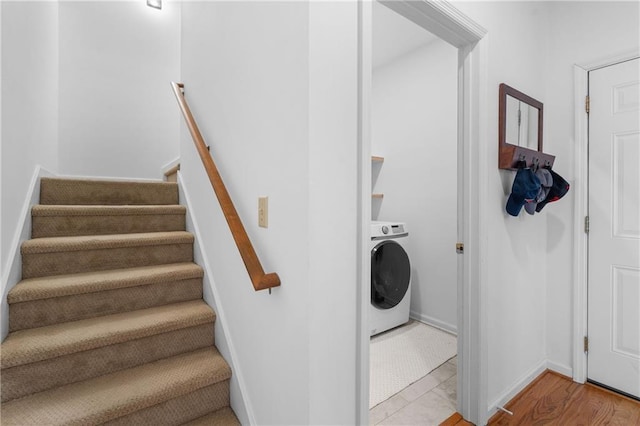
x: 586, y: 344
x: 587, y: 103
x: 459, y: 248
x: 586, y: 224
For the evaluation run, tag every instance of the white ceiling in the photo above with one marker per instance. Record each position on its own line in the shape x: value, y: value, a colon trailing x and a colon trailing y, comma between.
x: 394, y: 35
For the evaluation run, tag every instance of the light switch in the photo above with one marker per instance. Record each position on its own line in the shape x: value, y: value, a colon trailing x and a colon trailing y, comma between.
x: 263, y: 212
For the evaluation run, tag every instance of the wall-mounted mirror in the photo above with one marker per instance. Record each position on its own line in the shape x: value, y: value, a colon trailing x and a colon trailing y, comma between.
x: 522, y: 124
x: 520, y: 129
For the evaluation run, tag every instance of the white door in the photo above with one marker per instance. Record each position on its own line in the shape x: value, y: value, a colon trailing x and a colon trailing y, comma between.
x: 614, y: 231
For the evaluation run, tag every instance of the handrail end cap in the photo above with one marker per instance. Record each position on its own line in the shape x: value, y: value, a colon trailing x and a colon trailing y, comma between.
x: 268, y: 281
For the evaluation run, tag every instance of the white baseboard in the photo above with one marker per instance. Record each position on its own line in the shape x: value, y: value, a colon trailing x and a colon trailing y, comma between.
x: 239, y: 396
x: 516, y: 388
x: 526, y: 380
x: 445, y: 326
x: 12, y: 271
x: 565, y: 370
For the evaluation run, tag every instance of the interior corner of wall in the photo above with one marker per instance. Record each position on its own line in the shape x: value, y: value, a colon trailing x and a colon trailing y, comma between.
x: 516, y: 387
x: 560, y: 368
x: 12, y: 269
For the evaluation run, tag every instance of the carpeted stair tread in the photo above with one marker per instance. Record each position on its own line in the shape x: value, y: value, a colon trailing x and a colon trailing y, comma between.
x: 96, y: 242
x: 73, y: 255
x: 179, y: 410
x: 60, y: 220
x: 27, y: 379
x: 55, y: 310
x: 117, y: 210
x: 110, y: 210
x: 90, y: 282
x: 101, y: 192
x: 221, y: 417
x: 119, y: 394
x: 37, y: 344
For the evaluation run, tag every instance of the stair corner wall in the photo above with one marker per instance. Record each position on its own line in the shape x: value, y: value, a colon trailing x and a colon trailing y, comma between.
x: 12, y: 269
x: 240, y: 402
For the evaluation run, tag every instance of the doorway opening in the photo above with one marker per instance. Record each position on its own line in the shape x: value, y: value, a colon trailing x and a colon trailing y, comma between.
x: 414, y: 183
x: 454, y: 28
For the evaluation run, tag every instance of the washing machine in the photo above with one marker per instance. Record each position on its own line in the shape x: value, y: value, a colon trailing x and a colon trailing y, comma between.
x: 390, y: 276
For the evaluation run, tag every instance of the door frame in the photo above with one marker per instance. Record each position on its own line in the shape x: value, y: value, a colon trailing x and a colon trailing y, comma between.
x: 448, y: 23
x: 581, y: 210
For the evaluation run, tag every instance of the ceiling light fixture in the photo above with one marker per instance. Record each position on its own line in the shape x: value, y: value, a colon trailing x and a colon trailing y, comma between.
x: 156, y: 4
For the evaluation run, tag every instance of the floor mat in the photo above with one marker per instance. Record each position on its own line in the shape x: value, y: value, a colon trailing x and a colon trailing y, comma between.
x: 404, y: 355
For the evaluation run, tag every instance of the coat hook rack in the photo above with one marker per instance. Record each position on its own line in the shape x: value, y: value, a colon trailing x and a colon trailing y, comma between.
x: 520, y: 130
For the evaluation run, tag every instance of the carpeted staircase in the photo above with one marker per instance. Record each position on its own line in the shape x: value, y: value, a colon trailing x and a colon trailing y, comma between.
x: 108, y: 325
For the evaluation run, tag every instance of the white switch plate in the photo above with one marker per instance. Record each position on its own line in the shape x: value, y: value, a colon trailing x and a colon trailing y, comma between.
x: 263, y: 212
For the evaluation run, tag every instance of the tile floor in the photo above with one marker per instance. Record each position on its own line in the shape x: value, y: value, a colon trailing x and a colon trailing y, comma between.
x: 429, y: 401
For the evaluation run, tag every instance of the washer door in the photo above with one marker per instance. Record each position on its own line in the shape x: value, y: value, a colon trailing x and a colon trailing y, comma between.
x: 390, y: 274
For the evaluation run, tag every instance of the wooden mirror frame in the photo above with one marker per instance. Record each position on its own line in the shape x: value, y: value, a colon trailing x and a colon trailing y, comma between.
x: 509, y: 154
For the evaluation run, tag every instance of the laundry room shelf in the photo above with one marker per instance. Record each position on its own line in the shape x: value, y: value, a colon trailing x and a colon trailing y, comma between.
x: 377, y: 161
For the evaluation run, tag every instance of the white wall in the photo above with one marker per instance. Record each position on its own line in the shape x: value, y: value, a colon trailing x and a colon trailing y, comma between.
x: 517, y: 259
x: 118, y: 117
x: 29, y: 107
x: 532, y: 47
x: 1, y: 231
x: 415, y: 129
x: 333, y: 212
x: 580, y: 33
x: 246, y: 79
x: 277, y: 101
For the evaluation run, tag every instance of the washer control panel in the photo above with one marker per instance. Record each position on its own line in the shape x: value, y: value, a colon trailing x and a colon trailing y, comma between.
x: 388, y: 230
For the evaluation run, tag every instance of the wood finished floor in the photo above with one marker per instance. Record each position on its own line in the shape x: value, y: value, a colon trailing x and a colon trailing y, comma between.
x: 553, y: 399
x: 456, y: 420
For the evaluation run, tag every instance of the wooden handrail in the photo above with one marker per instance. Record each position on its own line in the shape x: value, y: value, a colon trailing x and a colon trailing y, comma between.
x: 259, y: 279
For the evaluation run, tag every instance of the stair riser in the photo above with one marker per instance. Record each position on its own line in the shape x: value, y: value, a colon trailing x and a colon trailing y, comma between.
x: 69, y: 226
x: 180, y: 410
x: 79, y: 192
x: 38, y: 376
x: 58, y: 263
x: 222, y: 417
x: 39, y: 313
